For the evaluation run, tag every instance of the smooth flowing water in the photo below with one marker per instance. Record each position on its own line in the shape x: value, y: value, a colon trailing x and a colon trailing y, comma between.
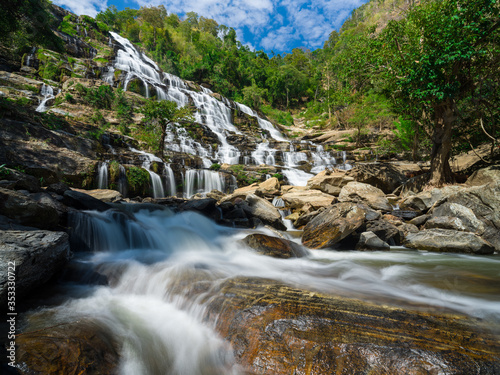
x: 151, y: 257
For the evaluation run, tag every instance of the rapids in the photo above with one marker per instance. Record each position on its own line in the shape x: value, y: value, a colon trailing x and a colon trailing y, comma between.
x: 152, y: 258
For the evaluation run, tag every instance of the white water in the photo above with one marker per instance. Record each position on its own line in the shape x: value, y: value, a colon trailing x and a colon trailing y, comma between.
x: 102, y: 176
x: 156, y: 261
x: 156, y: 184
x: 202, y: 181
x: 170, y: 185
x: 48, y: 93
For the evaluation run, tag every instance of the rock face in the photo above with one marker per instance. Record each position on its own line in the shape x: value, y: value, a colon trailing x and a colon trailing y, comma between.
x: 277, y: 329
x: 74, y: 348
x: 27, y: 211
x: 364, y: 193
x: 484, y: 202
x: 385, y: 176
x: 484, y: 176
x: 273, y: 246
x: 446, y: 240
x: 333, y: 225
x: 83, y: 201
x: 329, y: 182
x: 105, y: 195
x: 37, y: 255
x: 297, y: 198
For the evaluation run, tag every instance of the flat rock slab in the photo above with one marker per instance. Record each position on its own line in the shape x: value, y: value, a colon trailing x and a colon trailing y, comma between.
x: 447, y: 240
x: 277, y: 329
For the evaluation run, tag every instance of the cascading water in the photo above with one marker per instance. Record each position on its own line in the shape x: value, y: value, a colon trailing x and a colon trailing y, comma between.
x: 102, y: 176
x: 156, y: 183
x: 202, y: 182
x: 48, y: 93
x: 264, y: 154
x: 122, y: 181
x: 264, y: 124
x: 171, y: 188
x: 161, y: 268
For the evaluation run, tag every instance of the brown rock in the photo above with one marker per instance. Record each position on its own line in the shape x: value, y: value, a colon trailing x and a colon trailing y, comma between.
x: 297, y: 199
x: 333, y: 225
x: 277, y: 329
x: 363, y: 193
x: 274, y: 247
x: 329, y: 182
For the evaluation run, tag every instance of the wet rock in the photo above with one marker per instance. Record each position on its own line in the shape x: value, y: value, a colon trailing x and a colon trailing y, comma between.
x: 38, y: 255
x: 386, y: 231
x: 306, y: 218
x: 329, y: 182
x: 82, y: 201
x: 47, y: 200
x: 274, y: 246
x: 205, y: 206
x: 261, y: 209
x: 82, y: 347
x: 333, y: 225
x: 363, y: 193
x: 277, y: 329
x: 370, y: 241
x: 26, y: 211
x: 446, y: 240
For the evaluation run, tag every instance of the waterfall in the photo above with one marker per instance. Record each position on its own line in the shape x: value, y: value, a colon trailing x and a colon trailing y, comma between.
x: 264, y: 154
x: 156, y: 184
x: 122, y: 181
x: 102, y: 176
x: 264, y: 124
x: 47, y: 93
x: 202, y: 181
x: 171, y: 189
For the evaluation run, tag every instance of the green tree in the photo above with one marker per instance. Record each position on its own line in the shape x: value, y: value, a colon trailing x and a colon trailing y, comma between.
x: 436, y: 58
x: 158, y: 115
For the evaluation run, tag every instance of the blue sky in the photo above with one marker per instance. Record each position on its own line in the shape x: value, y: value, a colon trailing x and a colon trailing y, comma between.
x: 278, y: 25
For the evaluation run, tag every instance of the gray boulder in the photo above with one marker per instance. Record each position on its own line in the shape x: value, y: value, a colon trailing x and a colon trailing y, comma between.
x: 37, y: 256
x: 446, y: 240
x: 370, y: 241
x: 27, y: 211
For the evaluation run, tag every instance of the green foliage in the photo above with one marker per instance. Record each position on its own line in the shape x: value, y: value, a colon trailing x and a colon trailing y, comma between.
x: 69, y: 98
x: 138, y: 180
x: 215, y: 167
x: 279, y: 176
x: 404, y: 130
x: 100, y: 97
x: 281, y: 117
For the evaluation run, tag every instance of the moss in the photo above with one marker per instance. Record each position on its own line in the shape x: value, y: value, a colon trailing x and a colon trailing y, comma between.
x: 138, y: 181
x: 88, y: 176
x: 114, y: 171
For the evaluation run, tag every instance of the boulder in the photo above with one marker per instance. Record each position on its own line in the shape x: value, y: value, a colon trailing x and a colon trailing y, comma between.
x: 37, y: 254
x: 205, y: 206
x: 423, y: 201
x: 49, y: 201
x: 22, y: 181
x: 385, y: 176
x: 269, y: 188
x: 370, y: 241
x: 386, y: 231
x: 329, y: 182
x: 298, y: 198
x: 363, y: 193
x: 278, y: 329
x: 58, y: 188
x: 484, y: 176
x: 254, y: 207
x: 250, y: 189
x: 446, y: 240
x: 333, y: 225
x: 26, y: 211
x: 83, y: 201
x: 82, y: 347
x: 484, y: 201
x: 455, y: 216
x: 420, y: 220
x: 273, y: 246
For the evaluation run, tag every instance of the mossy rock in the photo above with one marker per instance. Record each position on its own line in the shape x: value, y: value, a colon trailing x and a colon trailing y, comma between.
x: 139, y: 181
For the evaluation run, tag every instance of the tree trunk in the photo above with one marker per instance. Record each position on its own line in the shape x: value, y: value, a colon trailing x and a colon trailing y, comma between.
x: 441, y: 145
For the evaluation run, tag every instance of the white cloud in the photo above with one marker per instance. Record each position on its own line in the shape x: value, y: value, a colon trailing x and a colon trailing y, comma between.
x: 274, y: 24
x: 80, y: 7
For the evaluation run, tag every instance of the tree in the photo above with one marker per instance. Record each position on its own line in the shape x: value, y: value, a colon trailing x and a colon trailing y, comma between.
x: 158, y: 115
x: 436, y: 58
